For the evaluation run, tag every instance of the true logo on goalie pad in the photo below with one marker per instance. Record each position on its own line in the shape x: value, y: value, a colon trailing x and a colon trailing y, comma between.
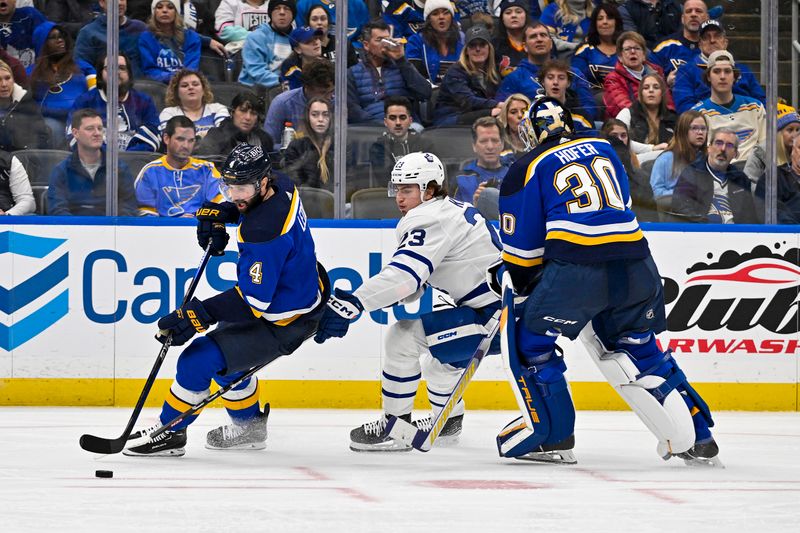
x: 523, y: 386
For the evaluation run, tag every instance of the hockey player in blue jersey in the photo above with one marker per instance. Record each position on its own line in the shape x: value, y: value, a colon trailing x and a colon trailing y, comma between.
x: 442, y: 243
x: 276, y: 304
x: 573, y: 247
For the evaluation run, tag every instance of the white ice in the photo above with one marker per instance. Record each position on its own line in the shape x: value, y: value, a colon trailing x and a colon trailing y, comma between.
x: 307, y: 479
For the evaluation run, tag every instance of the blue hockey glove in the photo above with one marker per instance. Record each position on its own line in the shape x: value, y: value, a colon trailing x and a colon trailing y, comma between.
x: 343, y: 308
x: 183, y: 323
x: 211, y: 220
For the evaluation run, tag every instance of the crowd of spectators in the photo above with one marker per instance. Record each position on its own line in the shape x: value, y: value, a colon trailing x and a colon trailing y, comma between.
x: 197, y: 77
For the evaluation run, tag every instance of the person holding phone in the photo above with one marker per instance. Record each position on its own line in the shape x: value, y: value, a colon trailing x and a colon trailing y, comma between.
x: 489, y: 167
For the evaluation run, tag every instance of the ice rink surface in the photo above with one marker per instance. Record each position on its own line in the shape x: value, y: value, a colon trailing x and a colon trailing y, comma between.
x: 308, y: 480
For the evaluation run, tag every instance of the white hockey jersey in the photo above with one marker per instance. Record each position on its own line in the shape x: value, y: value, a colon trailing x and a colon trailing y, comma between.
x: 444, y: 243
x: 240, y: 13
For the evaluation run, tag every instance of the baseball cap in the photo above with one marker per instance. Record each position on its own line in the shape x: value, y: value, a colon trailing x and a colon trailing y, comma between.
x: 478, y: 31
x: 720, y: 56
x: 304, y: 34
x: 711, y: 24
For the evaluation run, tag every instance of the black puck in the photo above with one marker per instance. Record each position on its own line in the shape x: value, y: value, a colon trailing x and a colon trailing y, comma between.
x: 103, y: 473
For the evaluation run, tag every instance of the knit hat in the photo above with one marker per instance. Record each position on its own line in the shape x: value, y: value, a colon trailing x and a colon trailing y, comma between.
x: 787, y: 115
x: 505, y: 4
x: 433, y: 5
x: 291, y: 4
x: 175, y: 3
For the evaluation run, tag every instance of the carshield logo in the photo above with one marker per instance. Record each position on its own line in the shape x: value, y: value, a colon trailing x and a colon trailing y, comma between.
x: 25, y: 311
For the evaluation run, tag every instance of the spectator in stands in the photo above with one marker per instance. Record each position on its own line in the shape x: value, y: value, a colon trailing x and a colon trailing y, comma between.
x: 309, y: 158
x: 489, y: 167
x: 196, y: 14
x: 539, y: 47
x: 469, y: 87
x: 406, y: 17
x: 649, y: 118
x: 788, y: 128
x: 20, y: 76
x: 357, y: 15
x: 711, y: 189
x: 138, y: 118
x: 177, y: 184
x: 556, y: 79
x: 72, y: 14
x: 621, y: 86
x: 56, y: 79
x: 682, y: 46
x: 21, y: 123
x: 383, y: 72
x: 616, y: 132
x: 398, y: 140
x: 655, y: 19
x: 16, y: 195
x: 290, y: 106
x: 268, y: 46
x: 788, y: 188
x: 317, y: 18
x: 688, y: 143
x: 512, y: 111
x: 598, y: 57
x: 509, y: 45
x: 91, y: 42
x: 437, y: 45
x: 168, y: 46
x: 243, y: 126
x: 306, y: 47
x: 189, y: 94
x: 78, y: 184
x: 235, y: 19
x: 569, y: 19
x: 690, y: 86
x: 724, y: 109
x: 17, y: 25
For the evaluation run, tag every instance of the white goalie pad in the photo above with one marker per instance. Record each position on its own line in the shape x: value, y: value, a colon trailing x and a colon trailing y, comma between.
x: 671, y: 422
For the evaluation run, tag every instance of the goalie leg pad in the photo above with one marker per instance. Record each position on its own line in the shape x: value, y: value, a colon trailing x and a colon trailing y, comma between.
x: 648, y: 382
x: 539, y: 386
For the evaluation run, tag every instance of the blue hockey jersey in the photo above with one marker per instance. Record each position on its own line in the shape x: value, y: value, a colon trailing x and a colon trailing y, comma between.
x: 277, y: 270
x: 570, y: 201
x: 164, y: 191
x: 16, y: 35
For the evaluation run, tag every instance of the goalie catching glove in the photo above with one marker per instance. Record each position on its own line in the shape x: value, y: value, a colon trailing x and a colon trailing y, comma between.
x: 343, y: 308
x: 211, y: 220
x: 184, y: 323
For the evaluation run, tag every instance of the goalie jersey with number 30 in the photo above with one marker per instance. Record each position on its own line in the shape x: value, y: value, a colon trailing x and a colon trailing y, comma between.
x: 443, y: 243
x: 557, y: 208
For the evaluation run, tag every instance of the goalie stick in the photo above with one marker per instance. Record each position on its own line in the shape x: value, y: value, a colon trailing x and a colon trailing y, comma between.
x: 422, y: 440
x: 94, y: 444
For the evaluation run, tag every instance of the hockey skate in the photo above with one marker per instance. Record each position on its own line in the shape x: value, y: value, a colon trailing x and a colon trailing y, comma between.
x: 558, y: 453
x: 372, y: 437
x: 250, y: 436
x: 702, y: 454
x: 450, y: 431
x: 167, y: 444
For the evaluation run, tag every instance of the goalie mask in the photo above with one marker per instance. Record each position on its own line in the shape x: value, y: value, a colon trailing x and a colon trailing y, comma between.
x: 243, y: 171
x: 418, y: 168
x: 546, y: 119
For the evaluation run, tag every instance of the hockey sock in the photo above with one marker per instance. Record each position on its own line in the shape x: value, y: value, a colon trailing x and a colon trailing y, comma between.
x: 241, y: 402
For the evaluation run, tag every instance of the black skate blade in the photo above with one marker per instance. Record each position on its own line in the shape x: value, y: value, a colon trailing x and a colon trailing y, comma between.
x: 93, y: 444
x: 561, y: 457
x: 703, y: 462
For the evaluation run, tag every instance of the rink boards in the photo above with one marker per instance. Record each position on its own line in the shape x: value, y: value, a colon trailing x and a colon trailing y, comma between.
x: 79, y: 300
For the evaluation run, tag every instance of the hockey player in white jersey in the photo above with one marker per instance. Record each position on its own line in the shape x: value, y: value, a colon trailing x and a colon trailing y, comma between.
x: 447, y: 245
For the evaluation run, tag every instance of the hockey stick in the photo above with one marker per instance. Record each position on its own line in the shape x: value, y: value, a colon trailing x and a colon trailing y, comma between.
x: 94, y: 444
x: 422, y: 440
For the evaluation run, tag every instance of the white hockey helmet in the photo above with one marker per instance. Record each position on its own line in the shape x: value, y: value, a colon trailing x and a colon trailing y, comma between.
x: 418, y: 168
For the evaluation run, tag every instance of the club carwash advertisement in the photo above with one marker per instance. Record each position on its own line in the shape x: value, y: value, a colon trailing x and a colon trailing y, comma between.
x: 79, y: 302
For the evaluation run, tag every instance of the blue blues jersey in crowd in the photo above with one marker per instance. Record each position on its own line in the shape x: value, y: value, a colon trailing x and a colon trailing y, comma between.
x: 593, y: 64
x: 568, y: 200
x: 164, y: 191
x: 16, y: 35
x: 673, y: 52
x: 406, y: 18
x: 277, y: 270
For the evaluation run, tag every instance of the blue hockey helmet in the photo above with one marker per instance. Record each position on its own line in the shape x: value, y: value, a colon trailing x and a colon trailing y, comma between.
x: 546, y: 119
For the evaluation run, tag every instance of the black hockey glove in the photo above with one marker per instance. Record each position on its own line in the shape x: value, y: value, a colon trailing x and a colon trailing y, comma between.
x: 183, y: 323
x: 342, y: 309
x: 211, y: 220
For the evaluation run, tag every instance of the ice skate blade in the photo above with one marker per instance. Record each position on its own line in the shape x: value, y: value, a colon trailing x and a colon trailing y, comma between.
x: 703, y: 462
x: 560, y: 457
x: 392, y: 446
x: 174, y: 452
x: 239, y: 447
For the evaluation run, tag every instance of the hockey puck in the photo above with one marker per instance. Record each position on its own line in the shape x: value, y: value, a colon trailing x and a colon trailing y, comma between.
x: 103, y: 473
